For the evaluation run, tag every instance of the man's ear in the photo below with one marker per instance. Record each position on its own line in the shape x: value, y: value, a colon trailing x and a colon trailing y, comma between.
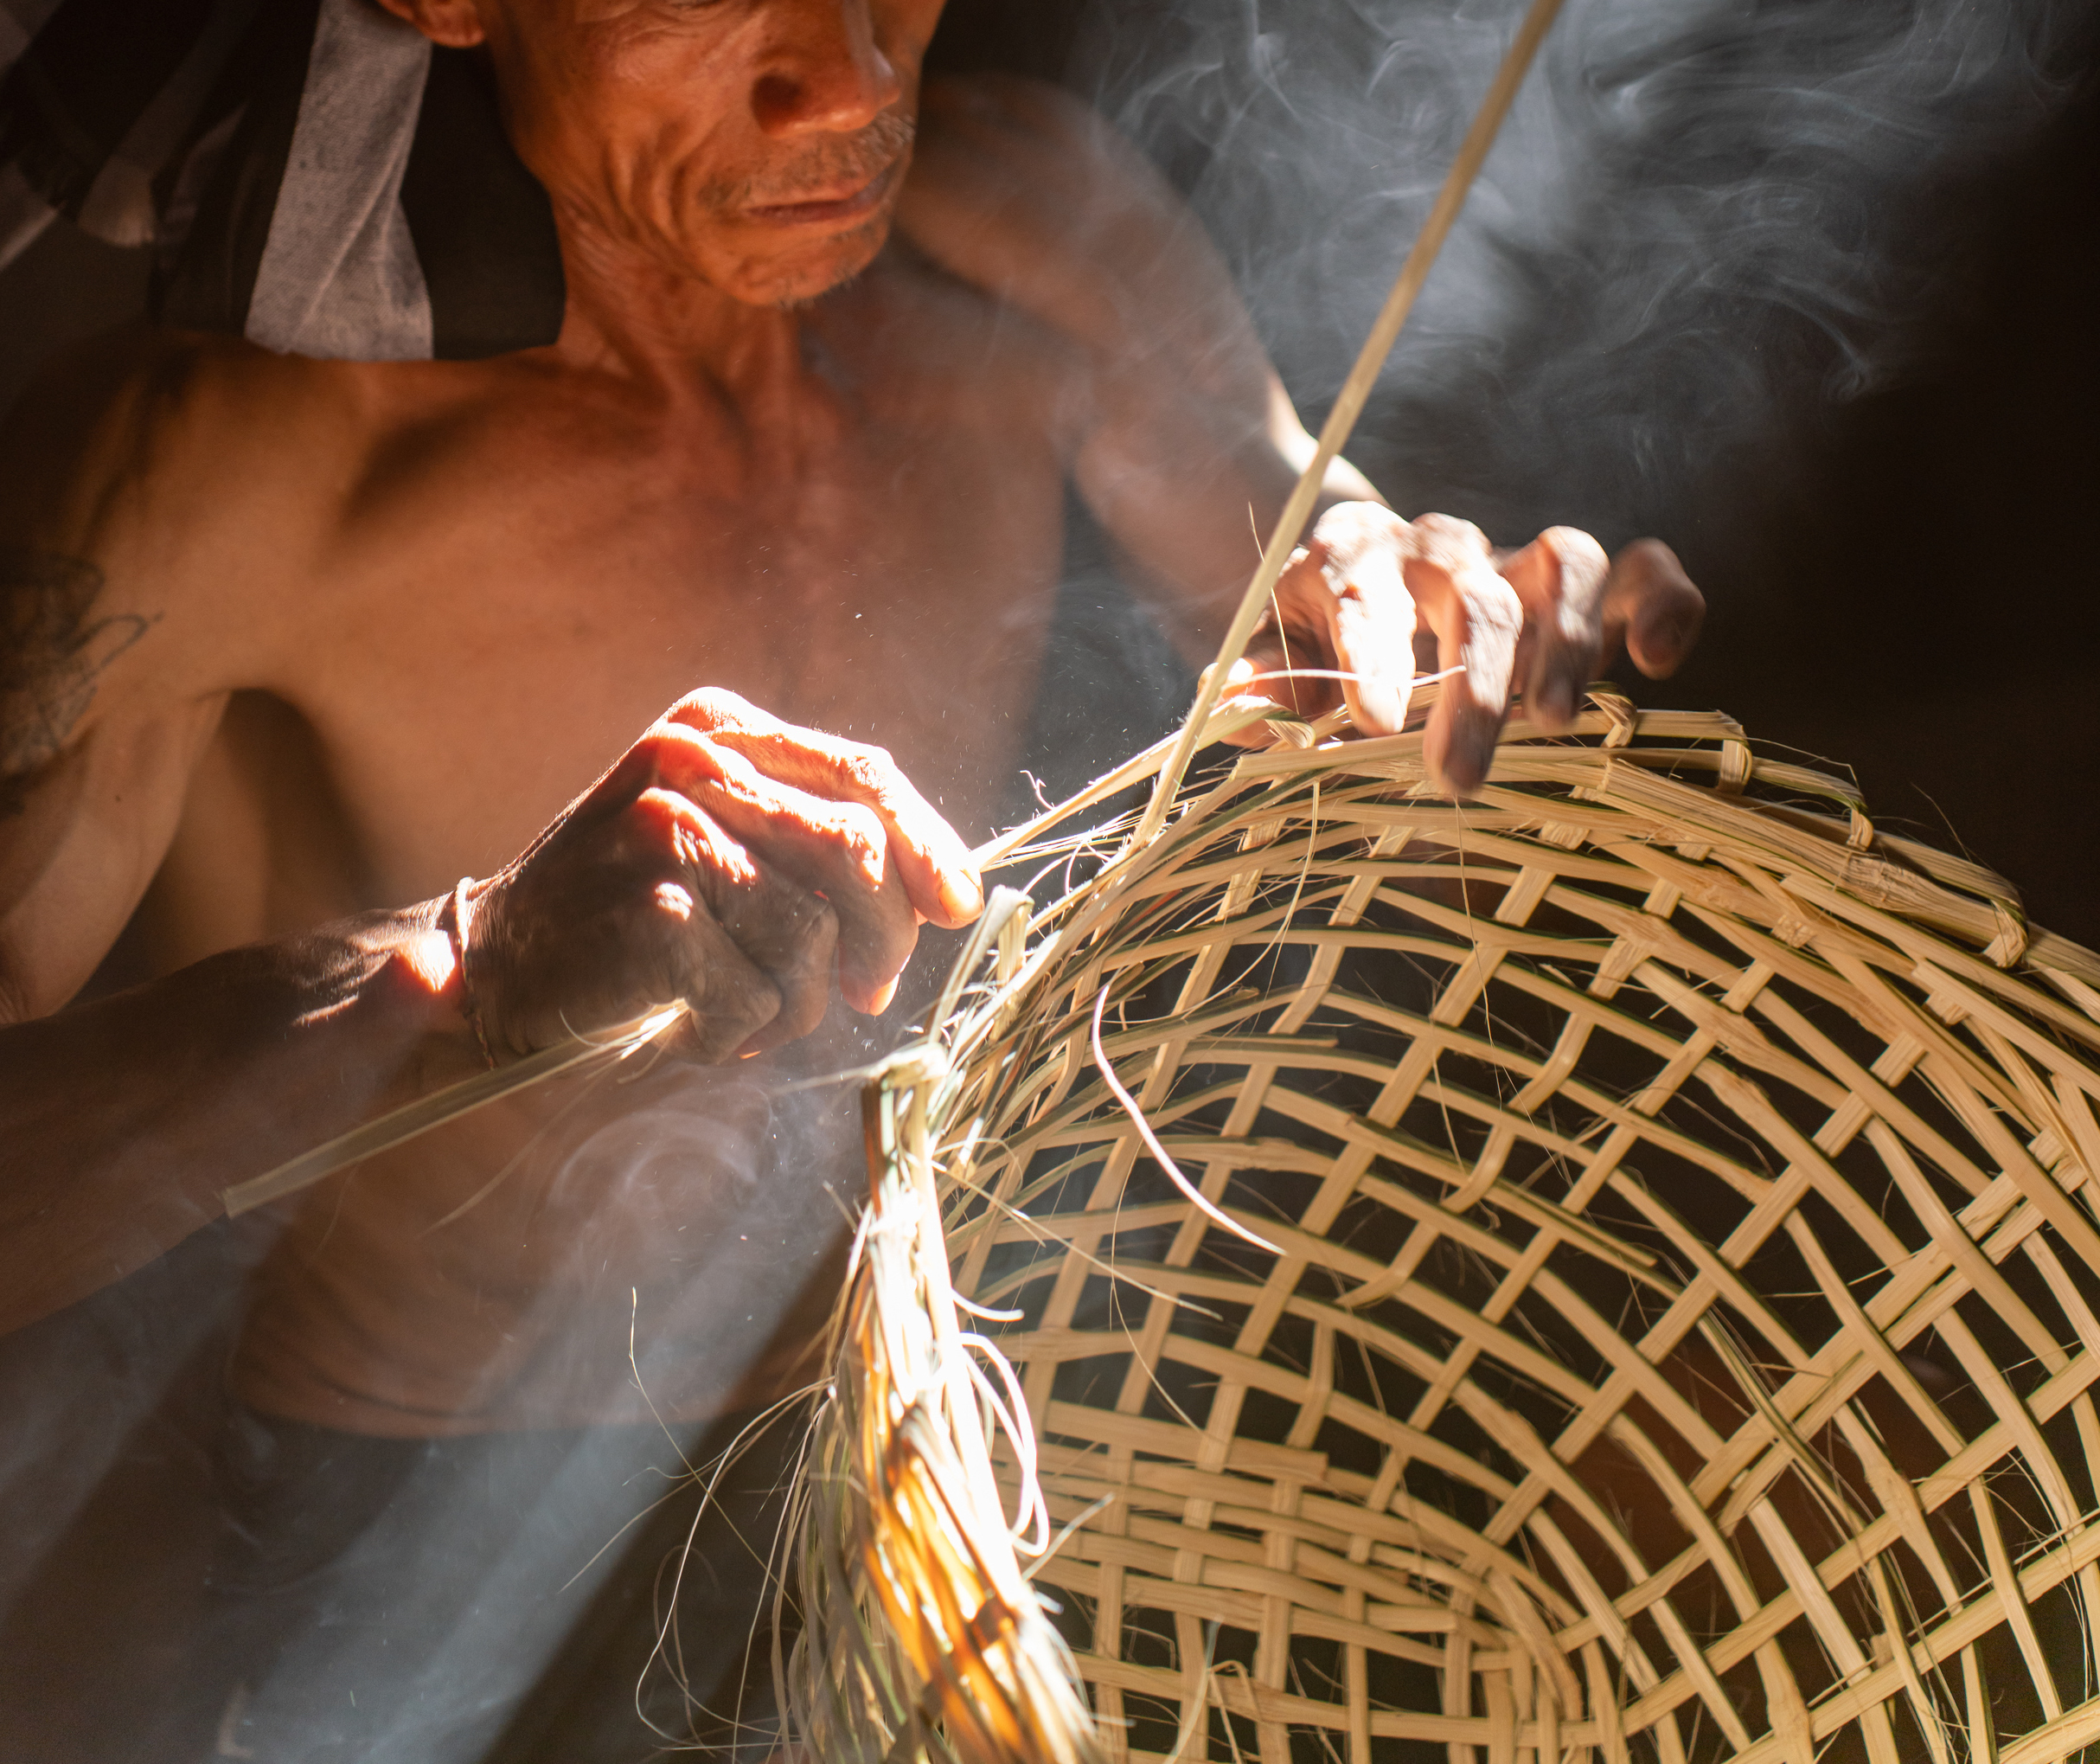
x: 454, y: 24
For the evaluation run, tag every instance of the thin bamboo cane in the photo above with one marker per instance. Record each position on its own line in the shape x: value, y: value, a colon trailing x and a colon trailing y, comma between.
x: 1350, y: 400
x: 412, y: 1119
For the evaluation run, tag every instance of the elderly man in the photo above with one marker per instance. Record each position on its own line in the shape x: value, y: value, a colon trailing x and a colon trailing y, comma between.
x: 311, y: 641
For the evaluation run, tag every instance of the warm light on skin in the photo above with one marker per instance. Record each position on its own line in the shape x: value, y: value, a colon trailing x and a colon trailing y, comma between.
x: 673, y: 901
x: 756, y: 145
x: 432, y: 957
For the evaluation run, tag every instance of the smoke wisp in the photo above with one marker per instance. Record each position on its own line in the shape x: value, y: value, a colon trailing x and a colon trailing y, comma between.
x: 1702, y: 221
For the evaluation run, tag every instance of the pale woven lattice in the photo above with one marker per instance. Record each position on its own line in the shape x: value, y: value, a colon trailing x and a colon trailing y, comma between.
x: 1674, y: 1325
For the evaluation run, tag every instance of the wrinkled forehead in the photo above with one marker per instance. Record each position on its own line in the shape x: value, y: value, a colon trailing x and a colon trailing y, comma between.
x: 777, y: 18
x: 543, y: 14
x: 587, y: 12
x: 552, y: 17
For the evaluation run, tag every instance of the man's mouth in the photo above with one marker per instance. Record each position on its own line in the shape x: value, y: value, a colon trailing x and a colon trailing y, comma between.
x: 830, y: 209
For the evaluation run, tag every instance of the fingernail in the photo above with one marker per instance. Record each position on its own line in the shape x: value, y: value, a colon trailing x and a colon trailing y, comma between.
x: 882, y: 999
x: 962, y: 900
x: 1668, y: 634
x: 1471, y: 751
x: 1383, y: 704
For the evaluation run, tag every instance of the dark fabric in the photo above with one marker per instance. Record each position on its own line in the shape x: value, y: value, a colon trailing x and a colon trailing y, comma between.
x: 484, y: 227
x: 206, y: 277
x: 484, y: 230
x: 82, y: 83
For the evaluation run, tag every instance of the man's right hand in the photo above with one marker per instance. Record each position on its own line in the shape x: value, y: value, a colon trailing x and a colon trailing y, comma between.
x: 723, y: 863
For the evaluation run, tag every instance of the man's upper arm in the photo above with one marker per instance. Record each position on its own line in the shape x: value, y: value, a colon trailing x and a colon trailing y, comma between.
x: 1024, y: 191
x: 106, y: 696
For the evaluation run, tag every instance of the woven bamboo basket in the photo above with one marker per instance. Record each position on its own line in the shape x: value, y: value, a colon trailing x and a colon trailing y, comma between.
x: 1606, y: 1267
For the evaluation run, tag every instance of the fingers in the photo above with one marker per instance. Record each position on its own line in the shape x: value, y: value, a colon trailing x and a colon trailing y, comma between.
x: 1373, y: 628
x: 781, y: 930
x: 730, y: 861
x: 1343, y: 605
x: 932, y: 862
x: 1560, y: 579
x: 1651, y: 601
x: 1477, y: 618
x: 1355, y: 599
x: 1287, y: 661
x: 837, y: 849
x: 1545, y: 619
x: 592, y: 931
x: 732, y: 1002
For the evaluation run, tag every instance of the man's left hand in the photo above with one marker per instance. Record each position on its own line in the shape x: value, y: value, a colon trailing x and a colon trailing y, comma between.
x: 1372, y: 598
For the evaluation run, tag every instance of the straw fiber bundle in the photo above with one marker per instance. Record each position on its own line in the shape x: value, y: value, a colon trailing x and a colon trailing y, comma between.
x: 1642, y: 1301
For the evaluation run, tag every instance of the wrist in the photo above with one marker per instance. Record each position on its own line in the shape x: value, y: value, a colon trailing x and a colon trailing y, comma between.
x: 423, y: 946
x: 416, y: 989
x: 455, y: 921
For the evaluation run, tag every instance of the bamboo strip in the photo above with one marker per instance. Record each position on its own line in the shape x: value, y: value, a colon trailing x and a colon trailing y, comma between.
x: 1349, y: 401
x: 1608, y: 1240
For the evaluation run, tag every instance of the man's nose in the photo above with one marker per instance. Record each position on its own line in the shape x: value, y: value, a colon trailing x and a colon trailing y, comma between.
x: 827, y: 74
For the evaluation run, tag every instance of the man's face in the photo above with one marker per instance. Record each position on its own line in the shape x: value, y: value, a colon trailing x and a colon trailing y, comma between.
x: 758, y: 144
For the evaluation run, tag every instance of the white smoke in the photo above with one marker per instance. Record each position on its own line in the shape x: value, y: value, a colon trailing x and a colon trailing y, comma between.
x: 1700, y: 216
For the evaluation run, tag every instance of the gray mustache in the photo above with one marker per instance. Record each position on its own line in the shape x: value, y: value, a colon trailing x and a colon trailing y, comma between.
x: 823, y: 167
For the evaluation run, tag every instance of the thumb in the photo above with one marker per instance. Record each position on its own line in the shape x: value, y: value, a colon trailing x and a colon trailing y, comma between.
x: 1371, y: 629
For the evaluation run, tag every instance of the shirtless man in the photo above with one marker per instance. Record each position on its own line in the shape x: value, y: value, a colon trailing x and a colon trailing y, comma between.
x: 308, y: 641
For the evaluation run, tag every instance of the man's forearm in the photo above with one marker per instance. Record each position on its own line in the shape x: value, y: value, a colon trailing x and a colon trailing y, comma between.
x: 122, y: 1121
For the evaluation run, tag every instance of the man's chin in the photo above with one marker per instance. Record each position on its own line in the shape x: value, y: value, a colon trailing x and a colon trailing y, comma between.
x: 795, y: 276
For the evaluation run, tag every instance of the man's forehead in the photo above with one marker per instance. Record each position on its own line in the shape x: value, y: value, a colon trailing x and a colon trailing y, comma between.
x: 604, y: 11
x: 568, y: 11
x: 558, y: 13
x: 589, y: 12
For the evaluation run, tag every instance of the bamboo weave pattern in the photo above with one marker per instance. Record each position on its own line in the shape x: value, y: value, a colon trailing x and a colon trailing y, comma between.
x: 1677, y: 1323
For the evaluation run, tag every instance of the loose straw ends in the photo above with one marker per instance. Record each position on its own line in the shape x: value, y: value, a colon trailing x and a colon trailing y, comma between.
x: 412, y: 1119
x: 1356, y: 390
x: 1197, y: 1199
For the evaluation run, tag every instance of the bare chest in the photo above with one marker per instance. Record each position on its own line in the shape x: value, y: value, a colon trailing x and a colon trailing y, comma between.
x: 469, y: 665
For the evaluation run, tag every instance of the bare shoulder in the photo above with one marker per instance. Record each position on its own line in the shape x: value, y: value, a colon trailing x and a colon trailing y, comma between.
x: 128, y: 385
x: 180, y: 475
x: 148, y: 500
x: 142, y: 422
x: 1024, y: 192
x: 1036, y: 118
x: 1012, y: 177
x: 149, y: 445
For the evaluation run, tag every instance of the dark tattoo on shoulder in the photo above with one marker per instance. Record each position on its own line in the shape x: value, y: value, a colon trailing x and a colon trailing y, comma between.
x: 52, y: 650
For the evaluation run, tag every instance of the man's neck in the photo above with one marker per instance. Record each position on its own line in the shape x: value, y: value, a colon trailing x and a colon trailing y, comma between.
x: 630, y: 314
